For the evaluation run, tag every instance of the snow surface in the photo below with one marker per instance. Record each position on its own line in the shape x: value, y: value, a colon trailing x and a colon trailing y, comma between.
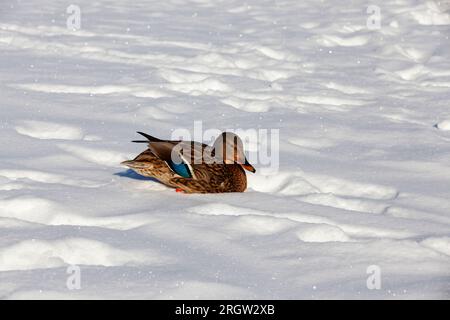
x: 364, y: 171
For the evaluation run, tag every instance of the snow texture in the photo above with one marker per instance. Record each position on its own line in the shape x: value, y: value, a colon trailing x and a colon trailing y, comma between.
x: 364, y: 171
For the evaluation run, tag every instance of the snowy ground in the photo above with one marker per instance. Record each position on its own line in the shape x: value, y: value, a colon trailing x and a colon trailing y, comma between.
x: 364, y: 171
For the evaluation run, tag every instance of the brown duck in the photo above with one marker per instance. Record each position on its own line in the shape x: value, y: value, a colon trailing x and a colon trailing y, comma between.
x: 194, y: 167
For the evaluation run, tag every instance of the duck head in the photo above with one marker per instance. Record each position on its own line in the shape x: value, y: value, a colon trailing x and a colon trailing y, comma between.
x: 229, y: 149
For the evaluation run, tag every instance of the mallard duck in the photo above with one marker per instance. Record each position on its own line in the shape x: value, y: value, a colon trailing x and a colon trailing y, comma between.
x: 193, y: 167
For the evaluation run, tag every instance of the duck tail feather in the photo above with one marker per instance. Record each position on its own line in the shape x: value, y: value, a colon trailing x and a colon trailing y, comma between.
x: 149, y: 137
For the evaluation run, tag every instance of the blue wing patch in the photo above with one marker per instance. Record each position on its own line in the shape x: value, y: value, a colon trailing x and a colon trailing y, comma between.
x: 180, y: 168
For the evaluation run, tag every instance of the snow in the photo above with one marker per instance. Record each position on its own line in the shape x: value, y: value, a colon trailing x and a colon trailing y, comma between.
x: 444, y: 125
x: 363, y: 177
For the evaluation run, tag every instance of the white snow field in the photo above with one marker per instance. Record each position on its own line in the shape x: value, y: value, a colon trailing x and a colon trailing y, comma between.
x: 358, y: 208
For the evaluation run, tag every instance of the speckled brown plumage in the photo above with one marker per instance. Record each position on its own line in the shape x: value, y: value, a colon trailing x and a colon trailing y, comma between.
x: 149, y: 165
x: 215, y: 178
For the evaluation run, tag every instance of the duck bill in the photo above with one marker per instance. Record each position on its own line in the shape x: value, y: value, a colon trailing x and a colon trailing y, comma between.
x: 247, y: 166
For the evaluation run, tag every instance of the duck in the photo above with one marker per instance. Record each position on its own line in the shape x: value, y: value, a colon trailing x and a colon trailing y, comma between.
x: 194, y: 167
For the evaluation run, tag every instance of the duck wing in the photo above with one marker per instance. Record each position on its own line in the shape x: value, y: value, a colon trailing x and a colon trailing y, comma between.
x: 181, y: 156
